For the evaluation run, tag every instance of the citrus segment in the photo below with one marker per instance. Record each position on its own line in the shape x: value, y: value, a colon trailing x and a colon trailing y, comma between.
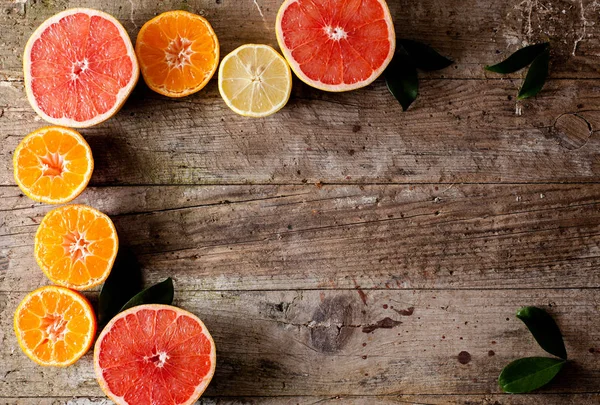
x: 336, y: 45
x: 79, y: 68
x: 255, y: 80
x: 154, y: 354
x: 53, y: 165
x: 76, y: 246
x: 178, y: 53
x: 55, y: 326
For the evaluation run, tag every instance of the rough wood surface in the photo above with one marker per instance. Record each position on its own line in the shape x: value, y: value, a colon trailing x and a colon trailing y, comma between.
x: 549, y: 399
x: 299, y: 237
x: 459, y: 131
x: 466, y: 129
x: 333, y: 343
x: 341, y: 251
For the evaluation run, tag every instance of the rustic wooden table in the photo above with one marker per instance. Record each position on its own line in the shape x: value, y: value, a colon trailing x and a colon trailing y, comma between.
x: 342, y: 251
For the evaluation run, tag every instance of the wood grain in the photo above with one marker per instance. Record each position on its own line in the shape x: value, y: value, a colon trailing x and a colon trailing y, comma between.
x: 332, y: 343
x: 303, y: 237
x: 496, y: 399
x: 459, y: 131
x: 474, y: 33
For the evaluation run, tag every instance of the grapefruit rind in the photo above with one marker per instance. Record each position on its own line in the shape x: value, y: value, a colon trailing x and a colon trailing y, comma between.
x: 93, y: 282
x: 89, y: 312
x: 123, y: 93
x: 156, y: 307
x: 338, y: 87
x: 47, y: 199
x: 189, y: 91
x: 245, y: 113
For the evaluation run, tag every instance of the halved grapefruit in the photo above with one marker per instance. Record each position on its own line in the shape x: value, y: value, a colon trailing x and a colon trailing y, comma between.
x: 154, y: 354
x: 79, y: 68
x: 336, y: 45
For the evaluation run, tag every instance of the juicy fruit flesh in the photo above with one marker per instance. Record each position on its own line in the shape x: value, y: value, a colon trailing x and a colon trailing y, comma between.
x: 53, y: 326
x: 155, y: 356
x: 255, y: 79
x: 78, y: 67
x: 337, y: 42
x: 53, y: 164
x: 77, y: 246
x: 178, y: 52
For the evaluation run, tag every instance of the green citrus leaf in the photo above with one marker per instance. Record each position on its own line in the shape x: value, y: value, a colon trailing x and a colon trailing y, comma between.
x: 401, y: 79
x: 544, y: 330
x: 124, y: 281
x: 161, y: 293
x: 528, y: 374
x: 536, y: 76
x: 519, y: 59
x: 424, y: 56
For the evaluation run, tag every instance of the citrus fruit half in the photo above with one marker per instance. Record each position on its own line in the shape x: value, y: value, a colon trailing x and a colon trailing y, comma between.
x: 336, y: 45
x: 55, y: 326
x: 76, y: 246
x: 79, y: 68
x: 255, y: 80
x: 53, y: 165
x: 154, y: 354
x: 178, y: 53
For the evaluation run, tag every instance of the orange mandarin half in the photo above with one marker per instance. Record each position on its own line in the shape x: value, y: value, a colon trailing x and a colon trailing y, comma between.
x: 76, y: 246
x: 178, y: 53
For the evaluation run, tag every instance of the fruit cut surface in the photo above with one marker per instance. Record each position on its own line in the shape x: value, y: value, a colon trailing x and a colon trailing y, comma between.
x: 79, y: 68
x: 55, y: 326
x: 53, y: 165
x: 255, y: 80
x: 178, y: 53
x: 154, y: 354
x: 336, y: 45
x: 76, y: 246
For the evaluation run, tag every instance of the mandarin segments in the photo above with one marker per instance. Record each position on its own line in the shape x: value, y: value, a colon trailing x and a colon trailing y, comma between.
x: 178, y: 53
x: 55, y: 326
x: 76, y: 246
x: 53, y: 165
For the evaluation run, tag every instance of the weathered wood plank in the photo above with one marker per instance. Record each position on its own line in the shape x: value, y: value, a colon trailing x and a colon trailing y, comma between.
x: 496, y: 399
x: 303, y: 237
x: 459, y: 131
x: 474, y: 33
x: 332, y: 343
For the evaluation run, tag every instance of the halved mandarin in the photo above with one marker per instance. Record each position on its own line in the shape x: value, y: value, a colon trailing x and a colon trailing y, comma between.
x: 178, y: 53
x: 76, y: 246
x: 53, y: 165
x: 55, y: 326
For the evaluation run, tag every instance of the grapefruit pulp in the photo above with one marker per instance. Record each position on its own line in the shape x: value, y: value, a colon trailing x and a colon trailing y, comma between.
x: 79, y: 68
x: 336, y: 45
x: 154, y: 354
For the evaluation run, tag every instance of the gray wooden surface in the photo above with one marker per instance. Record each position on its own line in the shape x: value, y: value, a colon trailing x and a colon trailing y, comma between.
x: 341, y: 251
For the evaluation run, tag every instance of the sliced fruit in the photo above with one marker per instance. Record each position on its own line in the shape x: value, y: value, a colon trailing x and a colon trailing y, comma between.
x: 79, y: 68
x: 336, y: 45
x: 53, y: 165
x: 178, y: 53
x: 255, y: 80
x: 76, y: 246
x: 55, y: 326
x: 171, y: 360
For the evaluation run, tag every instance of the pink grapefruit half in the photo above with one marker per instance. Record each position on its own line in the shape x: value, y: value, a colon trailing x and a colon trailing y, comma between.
x: 154, y: 354
x: 79, y: 68
x: 336, y: 45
